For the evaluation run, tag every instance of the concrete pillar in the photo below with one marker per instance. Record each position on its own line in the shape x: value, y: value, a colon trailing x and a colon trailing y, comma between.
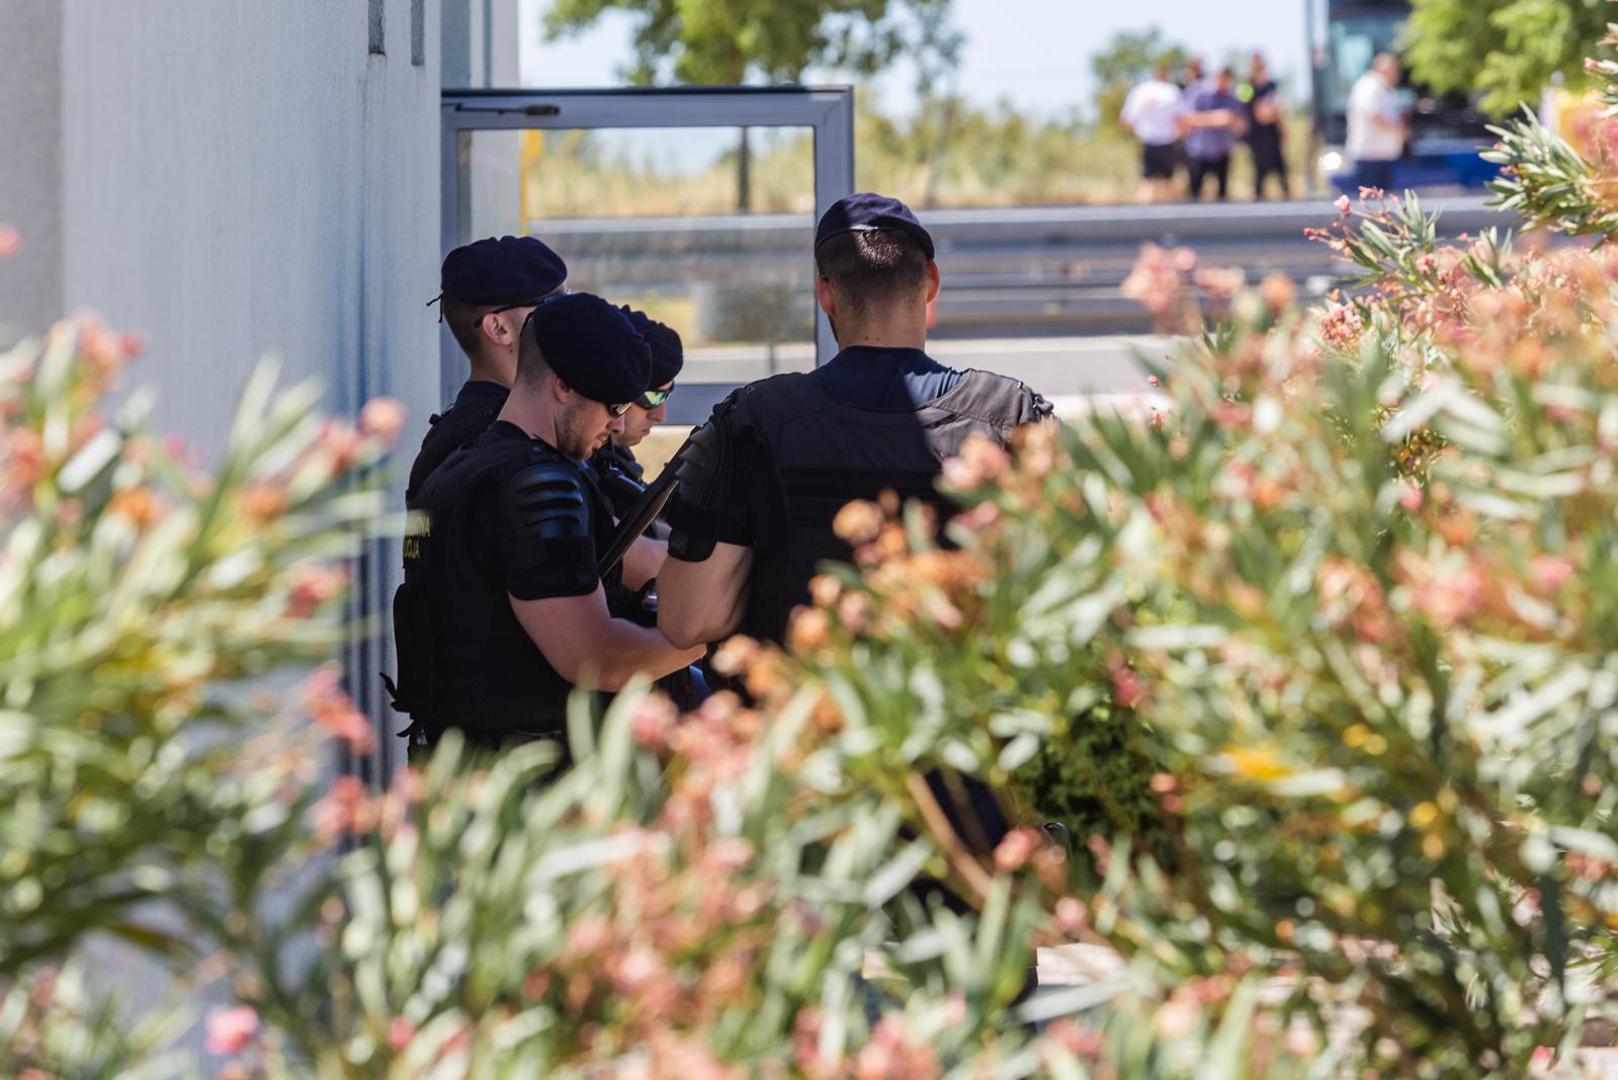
x: 482, y: 40
x: 31, y: 164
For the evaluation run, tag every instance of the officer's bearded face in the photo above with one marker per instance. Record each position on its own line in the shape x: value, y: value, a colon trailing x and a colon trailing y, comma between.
x: 584, y: 426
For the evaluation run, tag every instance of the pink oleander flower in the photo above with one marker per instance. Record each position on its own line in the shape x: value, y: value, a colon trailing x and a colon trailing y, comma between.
x: 1071, y: 915
x: 383, y: 417
x: 313, y: 586
x: 400, y: 1032
x: 346, y: 808
x: 654, y: 718
x: 229, y: 1030
x: 1016, y: 849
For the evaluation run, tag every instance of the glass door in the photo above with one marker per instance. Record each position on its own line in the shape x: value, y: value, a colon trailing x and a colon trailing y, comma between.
x: 696, y: 205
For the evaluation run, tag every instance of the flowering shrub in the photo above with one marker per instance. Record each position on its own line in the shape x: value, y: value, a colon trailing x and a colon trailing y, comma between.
x: 1340, y: 612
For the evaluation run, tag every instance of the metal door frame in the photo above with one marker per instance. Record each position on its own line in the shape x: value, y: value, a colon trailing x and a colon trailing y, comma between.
x: 827, y: 110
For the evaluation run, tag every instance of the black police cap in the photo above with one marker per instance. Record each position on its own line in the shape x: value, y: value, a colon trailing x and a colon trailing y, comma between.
x: 593, y: 347
x: 668, y: 354
x: 867, y: 211
x: 501, y: 270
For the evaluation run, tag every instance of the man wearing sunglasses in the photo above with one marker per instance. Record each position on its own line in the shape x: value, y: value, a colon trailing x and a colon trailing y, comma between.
x: 621, y: 476
x: 487, y: 288
x: 503, y: 612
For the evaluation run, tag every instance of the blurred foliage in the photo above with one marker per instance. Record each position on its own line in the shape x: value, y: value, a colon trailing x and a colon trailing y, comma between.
x: 1128, y: 58
x: 1339, y: 607
x: 949, y: 153
x: 1505, y: 51
x: 727, y: 42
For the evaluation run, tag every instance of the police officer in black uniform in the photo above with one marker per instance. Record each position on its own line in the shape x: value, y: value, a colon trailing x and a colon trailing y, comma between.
x: 503, y: 611
x: 621, y: 476
x: 623, y: 481
x: 761, y: 481
x: 487, y: 290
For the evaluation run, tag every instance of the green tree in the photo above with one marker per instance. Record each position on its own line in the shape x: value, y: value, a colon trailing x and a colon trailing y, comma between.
x: 727, y: 41
x: 1505, y: 50
x: 1127, y: 59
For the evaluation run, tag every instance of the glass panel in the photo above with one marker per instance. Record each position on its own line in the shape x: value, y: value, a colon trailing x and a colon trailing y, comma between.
x: 706, y: 229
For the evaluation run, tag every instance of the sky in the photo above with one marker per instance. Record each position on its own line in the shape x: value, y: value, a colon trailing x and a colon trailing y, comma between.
x: 1034, y: 53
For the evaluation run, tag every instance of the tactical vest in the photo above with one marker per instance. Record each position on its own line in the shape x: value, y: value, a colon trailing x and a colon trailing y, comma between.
x: 456, y: 427
x: 828, y: 453
x: 621, y: 477
x: 464, y: 659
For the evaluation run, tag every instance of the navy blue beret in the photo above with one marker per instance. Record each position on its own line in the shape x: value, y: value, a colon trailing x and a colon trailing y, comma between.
x: 503, y: 270
x: 867, y: 211
x: 668, y: 355
x: 593, y: 347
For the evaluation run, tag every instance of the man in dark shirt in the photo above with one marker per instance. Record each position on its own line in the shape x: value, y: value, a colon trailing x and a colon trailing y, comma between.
x: 621, y: 476
x: 762, y: 480
x: 487, y: 289
x: 501, y: 560
x: 1216, y: 120
x: 1266, y: 131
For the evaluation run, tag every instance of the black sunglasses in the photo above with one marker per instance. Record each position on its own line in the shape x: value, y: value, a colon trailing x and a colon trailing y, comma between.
x: 617, y: 410
x: 651, y: 399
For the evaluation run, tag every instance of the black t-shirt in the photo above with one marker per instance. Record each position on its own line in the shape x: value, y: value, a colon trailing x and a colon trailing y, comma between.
x: 469, y: 416
x: 525, y: 566
x: 484, y: 543
x: 1261, y: 92
x: 874, y: 378
x: 896, y: 380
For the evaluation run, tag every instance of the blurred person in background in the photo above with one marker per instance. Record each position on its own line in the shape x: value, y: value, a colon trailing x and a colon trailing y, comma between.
x: 1376, y: 124
x: 1265, y: 127
x: 1215, y: 121
x: 1191, y: 73
x: 1153, y: 113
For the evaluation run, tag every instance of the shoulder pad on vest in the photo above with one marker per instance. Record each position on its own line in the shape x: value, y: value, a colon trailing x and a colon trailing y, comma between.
x: 1002, y: 400
x: 705, y: 461
x: 547, y: 500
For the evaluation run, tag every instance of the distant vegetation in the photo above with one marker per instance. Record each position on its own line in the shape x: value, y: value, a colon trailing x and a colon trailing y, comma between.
x: 948, y: 153
x: 1506, y: 51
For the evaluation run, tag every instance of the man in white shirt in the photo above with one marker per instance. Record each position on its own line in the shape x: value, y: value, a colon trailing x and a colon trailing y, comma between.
x: 1155, y: 112
x: 1376, y: 124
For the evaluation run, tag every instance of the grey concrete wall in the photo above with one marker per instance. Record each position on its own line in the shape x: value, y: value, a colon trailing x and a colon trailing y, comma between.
x: 241, y: 180
x: 31, y: 163
x: 236, y: 179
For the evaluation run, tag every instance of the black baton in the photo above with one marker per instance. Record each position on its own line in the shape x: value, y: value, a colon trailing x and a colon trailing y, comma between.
x: 651, y: 503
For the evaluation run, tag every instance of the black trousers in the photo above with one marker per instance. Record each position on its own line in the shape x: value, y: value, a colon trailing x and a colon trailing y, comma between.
x: 1377, y: 174
x: 1268, y: 161
x: 1202, y: 168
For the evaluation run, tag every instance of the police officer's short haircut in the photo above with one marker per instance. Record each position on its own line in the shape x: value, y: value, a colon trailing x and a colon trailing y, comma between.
x: 466, y: 323
x: 869, y: 267
x: 531, y: 362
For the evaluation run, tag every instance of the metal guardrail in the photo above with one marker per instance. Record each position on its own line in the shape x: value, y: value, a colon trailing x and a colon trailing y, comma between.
x: 1008, y: 272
